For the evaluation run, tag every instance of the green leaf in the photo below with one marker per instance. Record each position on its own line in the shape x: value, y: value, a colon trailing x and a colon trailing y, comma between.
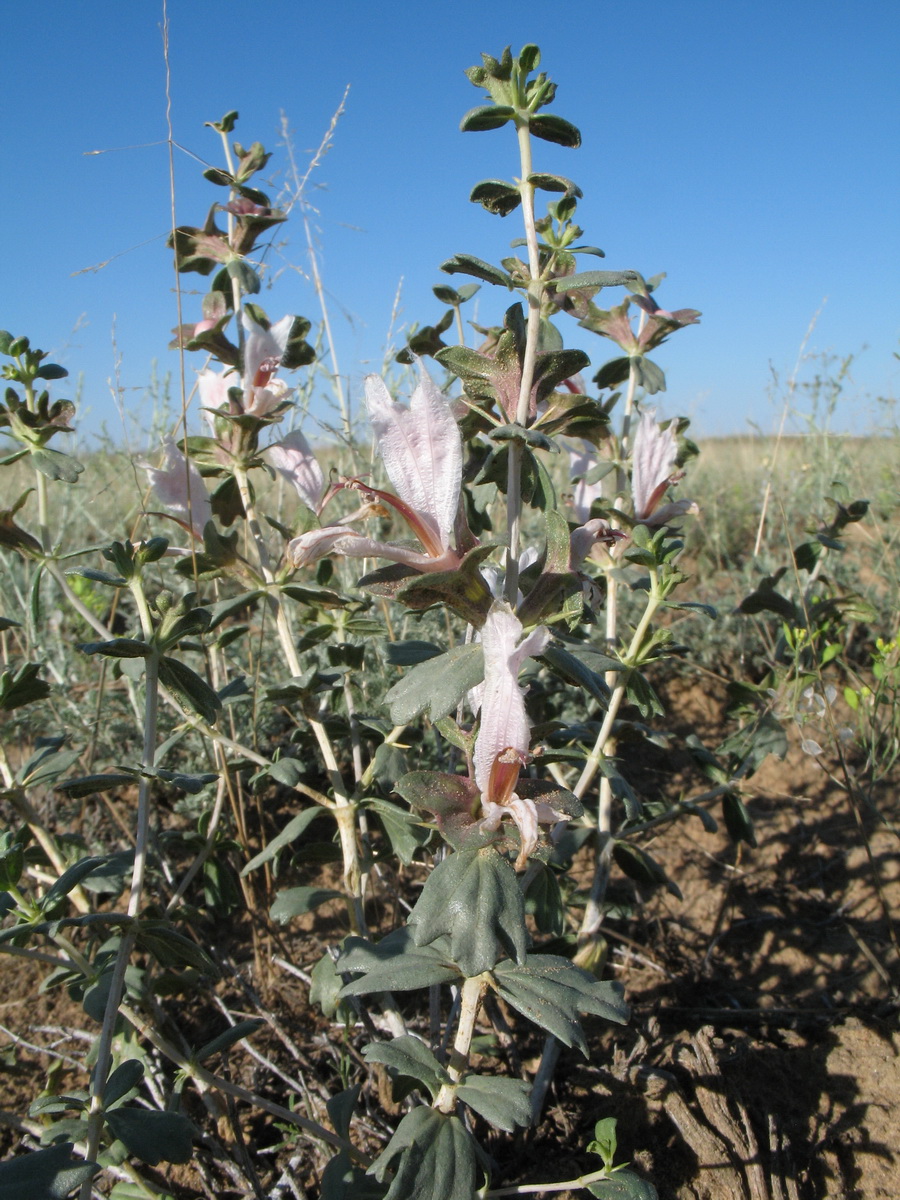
x: 623, y: 1185
x: 406, y: 833
x: 293, y: 902
x: 410, y: 654
x: 152, y: 1136
x: 640, y: 866
x: 503, y: 1102
x: 325, y: 991
x: 229, y: 1038
x: 573, y: 669
x: 555, y: 129
x: 117, y: 648
x: 56, y: 465
x: 648, y: 375
x: 496, y: 196
x: 343, y: 1180
x: 555, y: 183
x: 468, y: 264
x: 89, y: 785
x: 22, y: 688
x: 294, y: 829
x: 767, y: 599
x: 737, y: 819
x: 395, y: 964
x: 69, y: 879
x: 605, y: 1141
x: 437, y: 685
x: 432, y: 1157
x: 194, y: 695
x: 408, y: 1055
x: 544, y: 902
x: 486, y: 116
x: 125, y: 1077
x: 50, y: 1174
x: 97, y: 576
x: 192, y: 784
x: 47, y: 763
x: 594, y: 279
x: 552, y: 992
x: 474, y: 898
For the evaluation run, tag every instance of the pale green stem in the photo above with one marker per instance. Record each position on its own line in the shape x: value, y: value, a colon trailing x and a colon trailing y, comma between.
x: 605, y: 802
x: 344, y: 811
x: 523, y: 1189
x: 235, y: 283
x: 470, y: 1004
x: 602, y: 746
x: 142, y: 837
x: 592, y: 764
x: 533, y: 329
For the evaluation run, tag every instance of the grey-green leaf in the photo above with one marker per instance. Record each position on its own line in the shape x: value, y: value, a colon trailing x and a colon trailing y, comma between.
x: 50, y: 1174
x: 193, y: 694
x: 125, y: 1077
x: 293, y: 902
x: 229, y: 1038
x: 503, y: 1102
x: 437, y: 685
x: 294, y: 828
x: 152, y: 1136
x: 553, y: 992
x: 409, y: 1056
x: 432, y: 1157
x: 473, y: 897
x: 623, y: 1185
x: 395, y: 964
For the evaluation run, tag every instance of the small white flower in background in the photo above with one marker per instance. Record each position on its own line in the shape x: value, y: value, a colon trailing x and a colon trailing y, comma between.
x: 293, y: 458
x: 422, y: 454
x: 653, y: 469
x: 179, y: 486
x: 504, y: 735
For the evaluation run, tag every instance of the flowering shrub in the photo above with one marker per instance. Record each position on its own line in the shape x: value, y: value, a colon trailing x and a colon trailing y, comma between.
x: 513, y: 573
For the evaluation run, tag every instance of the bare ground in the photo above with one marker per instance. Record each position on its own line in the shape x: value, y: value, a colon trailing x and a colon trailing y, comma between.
x: 761, y: 1062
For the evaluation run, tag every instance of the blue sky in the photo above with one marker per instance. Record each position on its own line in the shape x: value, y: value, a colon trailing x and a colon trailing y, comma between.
x: 749, y: 150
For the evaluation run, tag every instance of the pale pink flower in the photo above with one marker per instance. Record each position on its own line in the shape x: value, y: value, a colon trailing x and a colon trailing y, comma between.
x: 263, y: 352
x: 178, y: 485
x: 422, y: 454
x: 653, y: 469
x: 504, y: 735
x: 293, y: 458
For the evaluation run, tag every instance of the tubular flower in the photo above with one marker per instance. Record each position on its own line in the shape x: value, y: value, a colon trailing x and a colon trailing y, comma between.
x: 422, y: 454
x: 179, y: 486
x: 504, y: 736
x: 653, y: 469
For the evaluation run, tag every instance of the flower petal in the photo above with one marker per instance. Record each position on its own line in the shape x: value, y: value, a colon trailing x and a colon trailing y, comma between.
x: 179, y: 486
x: 655, y: 452
x: 421, y: 449
x: 293, y: 458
